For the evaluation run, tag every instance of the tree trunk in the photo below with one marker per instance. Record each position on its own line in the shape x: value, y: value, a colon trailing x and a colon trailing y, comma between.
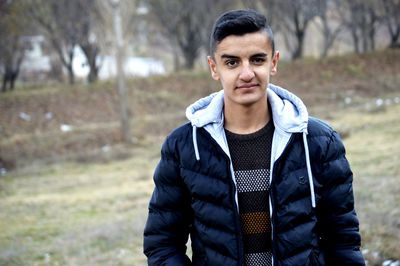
x: 16, y: 68
x: 371, y: 37
x: 189, y: 51
x: 71, y: 74
x: 374, y: 19
x: 3, y: 86
x: 11, y: 70
x: 356, y: 40
x: 394, y: 40
x: 91, y: 51
x: 327, y: 43
x: 329, y: 35
x: 391, y: 15
x: 12, y: 80
x: 300, y: 27
x: 298, y: 52
x: 190, y: 55
x: 175, y: 53
x: 123, y: 97
x: 8, y: 79
x: 189, y: 62
x: 177, y: 65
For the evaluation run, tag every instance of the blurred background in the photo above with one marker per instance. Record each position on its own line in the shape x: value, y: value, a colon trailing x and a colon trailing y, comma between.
x: 90, y: 89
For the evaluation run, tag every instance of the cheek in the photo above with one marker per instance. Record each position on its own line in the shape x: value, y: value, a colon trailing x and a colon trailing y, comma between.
x: 263, y: 75
x: 226, y: 77
x: 223, y: 83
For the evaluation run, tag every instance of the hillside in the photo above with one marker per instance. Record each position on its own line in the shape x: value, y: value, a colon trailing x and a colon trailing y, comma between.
x: 73, y: 194
x: 32, y: 118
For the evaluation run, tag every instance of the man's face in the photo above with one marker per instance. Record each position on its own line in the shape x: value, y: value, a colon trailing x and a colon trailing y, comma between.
x: 243, y: 65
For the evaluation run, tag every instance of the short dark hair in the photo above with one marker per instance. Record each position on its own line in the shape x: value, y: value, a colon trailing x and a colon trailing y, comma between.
x: 239, y: 22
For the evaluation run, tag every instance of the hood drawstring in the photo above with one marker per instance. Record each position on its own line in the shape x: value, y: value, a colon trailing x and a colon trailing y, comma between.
x: 196, y: 148
x: 310, y: 177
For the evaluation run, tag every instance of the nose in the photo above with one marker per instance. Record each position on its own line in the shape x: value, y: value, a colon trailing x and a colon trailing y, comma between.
x: 246, y: 73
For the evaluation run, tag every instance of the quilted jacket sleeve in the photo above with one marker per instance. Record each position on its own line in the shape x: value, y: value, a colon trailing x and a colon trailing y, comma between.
x: 339, y: 227
x: 167, y: 227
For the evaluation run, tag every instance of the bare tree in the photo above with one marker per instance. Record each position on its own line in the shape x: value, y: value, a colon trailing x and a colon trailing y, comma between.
x: 12, y: 26
x: 88, y: 14
x: 186, y: 24
x: 292, y: 18
x: 391, y: 15
x: 57, y: 20
x: 362, y: 20
x: 373, y: 22
x: 213, y: 9
x: 68, y: 24
x: 179, y: 26
x: 332, y: 23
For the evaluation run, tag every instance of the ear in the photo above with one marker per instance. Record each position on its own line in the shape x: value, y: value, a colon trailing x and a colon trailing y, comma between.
x: 213, y: 68
x: 274, y: 63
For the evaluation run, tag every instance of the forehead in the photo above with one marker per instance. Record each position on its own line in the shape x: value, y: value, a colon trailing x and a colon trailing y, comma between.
x: 242, y: 45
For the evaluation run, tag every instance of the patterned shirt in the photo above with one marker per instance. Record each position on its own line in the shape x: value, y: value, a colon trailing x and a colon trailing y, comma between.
x: 251, y: 155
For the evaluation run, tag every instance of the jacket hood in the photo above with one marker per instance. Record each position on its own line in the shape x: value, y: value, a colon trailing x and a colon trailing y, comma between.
x: 289, y: 112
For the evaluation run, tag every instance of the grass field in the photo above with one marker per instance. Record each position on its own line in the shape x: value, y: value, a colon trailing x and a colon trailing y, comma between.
x: 76, y: 214
x: 373, y: 149
x: 80, y: 198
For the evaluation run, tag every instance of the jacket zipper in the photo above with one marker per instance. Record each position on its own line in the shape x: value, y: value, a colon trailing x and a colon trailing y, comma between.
x: 237, y: 219
x: 235, y: 210
x: 274, y: 172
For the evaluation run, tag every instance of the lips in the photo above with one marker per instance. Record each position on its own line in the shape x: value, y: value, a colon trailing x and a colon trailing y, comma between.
x: 247, y: 85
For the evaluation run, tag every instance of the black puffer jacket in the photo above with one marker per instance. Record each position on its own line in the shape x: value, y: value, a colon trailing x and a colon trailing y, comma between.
x: 197, y: 198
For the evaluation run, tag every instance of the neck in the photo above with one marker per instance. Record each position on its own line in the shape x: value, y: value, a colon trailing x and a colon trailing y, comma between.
x: 246, y: 119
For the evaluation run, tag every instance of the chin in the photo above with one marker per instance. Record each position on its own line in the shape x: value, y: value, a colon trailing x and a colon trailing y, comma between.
x: 251, y: 100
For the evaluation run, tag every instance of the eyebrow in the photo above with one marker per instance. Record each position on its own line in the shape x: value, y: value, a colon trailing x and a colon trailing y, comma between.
x: 259, y: 55
x: 229, y: 56
x: 237, y: 57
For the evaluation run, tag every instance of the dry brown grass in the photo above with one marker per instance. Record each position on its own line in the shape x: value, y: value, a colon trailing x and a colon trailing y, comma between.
x: 373, y: 148
x: 77, y: 214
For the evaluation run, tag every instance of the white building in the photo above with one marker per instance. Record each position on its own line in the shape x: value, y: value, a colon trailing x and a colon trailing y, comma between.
x: 37, y: 65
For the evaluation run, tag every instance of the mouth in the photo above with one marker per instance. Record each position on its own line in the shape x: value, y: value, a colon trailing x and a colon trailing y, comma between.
x: 247, y: 85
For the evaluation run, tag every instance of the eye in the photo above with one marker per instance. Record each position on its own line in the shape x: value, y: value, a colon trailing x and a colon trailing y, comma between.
x: 258, y: 60
x: 231, y: 63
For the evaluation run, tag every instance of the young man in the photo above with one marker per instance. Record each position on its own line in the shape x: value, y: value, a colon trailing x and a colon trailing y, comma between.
x: 252, y: 178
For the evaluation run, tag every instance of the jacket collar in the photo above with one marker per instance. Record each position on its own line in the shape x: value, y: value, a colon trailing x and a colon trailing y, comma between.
x: 289, y: 112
